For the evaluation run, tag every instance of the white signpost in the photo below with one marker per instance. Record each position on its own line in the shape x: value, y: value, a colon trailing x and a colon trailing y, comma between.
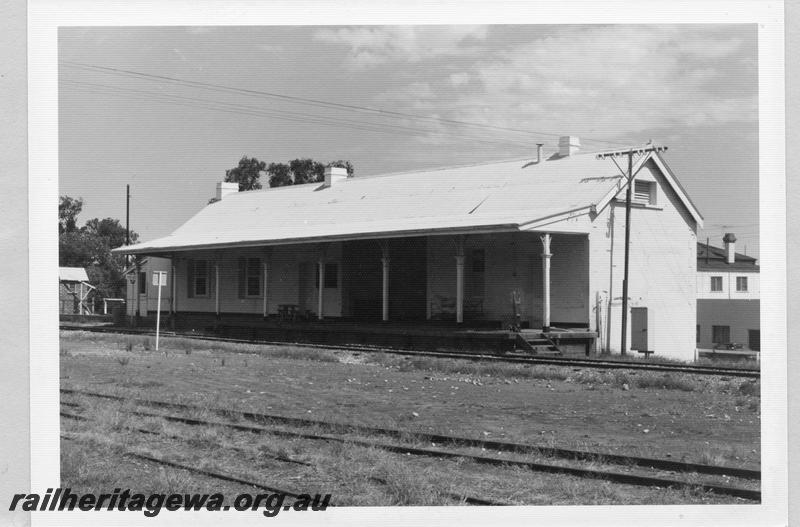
x: 160, y: 280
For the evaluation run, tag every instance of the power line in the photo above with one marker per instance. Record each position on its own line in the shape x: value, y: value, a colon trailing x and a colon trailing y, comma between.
x: 316, y: 102
x: 284, y: 114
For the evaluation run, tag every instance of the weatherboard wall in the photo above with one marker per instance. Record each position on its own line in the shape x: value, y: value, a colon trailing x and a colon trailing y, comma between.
x: 663, y: 255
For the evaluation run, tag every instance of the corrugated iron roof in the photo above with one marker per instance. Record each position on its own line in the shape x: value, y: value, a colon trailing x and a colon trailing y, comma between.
x: 488, y: 197
x: 72, y: 274
x: 718, y: 261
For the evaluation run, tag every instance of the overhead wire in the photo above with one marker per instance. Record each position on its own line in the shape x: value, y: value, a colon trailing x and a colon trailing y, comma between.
x: 227, y: 107
x: 309, y: 101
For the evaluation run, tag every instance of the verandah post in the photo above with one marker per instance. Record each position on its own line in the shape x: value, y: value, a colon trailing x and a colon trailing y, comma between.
x: 546, y: 282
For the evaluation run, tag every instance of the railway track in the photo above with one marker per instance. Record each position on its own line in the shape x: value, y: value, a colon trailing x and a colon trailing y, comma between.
x: 513, y: 359
x: 675, y: 467
x: 235, y: 478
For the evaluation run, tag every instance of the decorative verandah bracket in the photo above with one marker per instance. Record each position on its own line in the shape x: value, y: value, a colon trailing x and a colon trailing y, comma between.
x: 546, y: 281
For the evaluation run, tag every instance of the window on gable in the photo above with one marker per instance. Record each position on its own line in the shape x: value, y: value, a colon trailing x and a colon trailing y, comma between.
x: 741, y: 283
x: 644, y: 192
x: 716, y: 283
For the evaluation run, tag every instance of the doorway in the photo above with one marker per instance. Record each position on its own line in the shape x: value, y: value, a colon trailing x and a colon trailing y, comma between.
x: 639, y: 329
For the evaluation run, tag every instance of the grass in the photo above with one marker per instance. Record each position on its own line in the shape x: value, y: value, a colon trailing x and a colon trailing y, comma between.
x: 465, y: 367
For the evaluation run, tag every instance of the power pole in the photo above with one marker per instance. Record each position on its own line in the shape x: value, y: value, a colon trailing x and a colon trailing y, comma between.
x: 127, y: 222
x: 128, y: 216
x: 645, y: 153
x: 628, y: 196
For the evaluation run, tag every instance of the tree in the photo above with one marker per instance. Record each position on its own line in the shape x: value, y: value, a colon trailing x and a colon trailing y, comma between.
x: 90, y: 248
x: 247, y: 173
x: 68, y: 211
x: 300, y: 171
x: 110, y: 230
x: 279, y: 175
x: 306, y: 171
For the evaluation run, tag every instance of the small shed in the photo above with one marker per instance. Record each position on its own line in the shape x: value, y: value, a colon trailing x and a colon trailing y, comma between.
x: 74, y: 291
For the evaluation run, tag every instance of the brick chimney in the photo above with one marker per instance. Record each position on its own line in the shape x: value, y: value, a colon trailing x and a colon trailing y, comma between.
x: 334, y: 175
x: 730, y: 247
x: 568, y: 145
x: 224, y: 188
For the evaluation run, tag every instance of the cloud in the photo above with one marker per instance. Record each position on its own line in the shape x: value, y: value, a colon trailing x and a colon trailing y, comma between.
x: 459, y: 79
x: 373, y: 46
x: 613, y: 82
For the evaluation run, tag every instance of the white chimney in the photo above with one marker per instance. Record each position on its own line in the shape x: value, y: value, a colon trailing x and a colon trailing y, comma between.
x: 224, y: 188
x: 333, y: 175
x: 539, y: 152
x: 730, y: 247
x: 568, y: 145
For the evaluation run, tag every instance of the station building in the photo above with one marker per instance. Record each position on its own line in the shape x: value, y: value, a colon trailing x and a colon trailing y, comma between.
x: 535, y: 244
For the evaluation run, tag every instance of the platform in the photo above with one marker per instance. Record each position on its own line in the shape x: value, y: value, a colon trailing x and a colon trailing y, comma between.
x: 477, y: 337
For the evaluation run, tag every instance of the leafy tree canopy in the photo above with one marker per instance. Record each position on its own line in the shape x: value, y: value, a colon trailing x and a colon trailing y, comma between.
x: 300, y: 171
x: 247, y: 173
x: 90, y: 247
x: 68, y: 211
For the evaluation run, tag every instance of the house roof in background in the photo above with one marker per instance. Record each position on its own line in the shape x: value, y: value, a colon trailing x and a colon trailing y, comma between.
x: 72, y: 274
x: 500, y: 196
x: 718, y: 261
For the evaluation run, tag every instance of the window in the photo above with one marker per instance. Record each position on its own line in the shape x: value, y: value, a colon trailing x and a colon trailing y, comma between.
x: 716, y: 283
x: 721, y: 334
x: 697, y: 337
x: 143, y: 283
x: 331, y: 276
x: 754, y: 339
x: 199, y: 273
x: 253, y: 277
x: 644, y: 192
x: 478, y: 260
x: 741, y: 283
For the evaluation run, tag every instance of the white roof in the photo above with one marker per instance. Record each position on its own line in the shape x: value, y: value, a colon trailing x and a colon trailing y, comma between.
x: 486, y: 197
x: 72, y: 274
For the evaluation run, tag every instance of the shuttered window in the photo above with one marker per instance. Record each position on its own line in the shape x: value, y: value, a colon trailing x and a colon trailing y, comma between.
x: 198, y: 278
x: 644, y: 192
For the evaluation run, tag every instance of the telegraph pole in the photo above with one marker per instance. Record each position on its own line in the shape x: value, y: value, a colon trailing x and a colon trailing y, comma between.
x: 128, y: 215
x: 127, y: 222
x: 628, y: 196
x: 629, y: 175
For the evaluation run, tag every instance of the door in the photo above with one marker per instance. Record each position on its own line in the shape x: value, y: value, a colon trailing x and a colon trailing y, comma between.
x: 141, y: 286
x: 754, y: 339
x: 639, y: 329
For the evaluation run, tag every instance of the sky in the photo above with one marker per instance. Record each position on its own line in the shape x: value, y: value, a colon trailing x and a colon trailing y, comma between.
x: 168, y: 109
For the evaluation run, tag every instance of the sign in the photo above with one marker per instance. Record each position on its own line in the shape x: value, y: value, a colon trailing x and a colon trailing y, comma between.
x: 159, y: 278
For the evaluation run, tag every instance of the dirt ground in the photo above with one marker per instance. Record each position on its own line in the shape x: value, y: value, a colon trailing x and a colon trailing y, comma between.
x: 710, y: 420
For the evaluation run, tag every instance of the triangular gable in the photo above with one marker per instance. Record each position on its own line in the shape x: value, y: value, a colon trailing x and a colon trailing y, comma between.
x: 669, y: 177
